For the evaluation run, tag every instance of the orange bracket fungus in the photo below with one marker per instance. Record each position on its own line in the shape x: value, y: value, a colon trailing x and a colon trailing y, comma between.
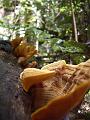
x: 23, y: 50
x: 63, y: 88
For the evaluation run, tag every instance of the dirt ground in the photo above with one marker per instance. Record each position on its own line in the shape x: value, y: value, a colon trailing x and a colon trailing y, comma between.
x: 83, y: 113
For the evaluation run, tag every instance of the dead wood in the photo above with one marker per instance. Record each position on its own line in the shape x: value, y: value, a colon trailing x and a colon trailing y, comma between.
x: 15, y: 104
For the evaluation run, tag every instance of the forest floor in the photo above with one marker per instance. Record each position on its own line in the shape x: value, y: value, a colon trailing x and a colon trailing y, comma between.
x: 82, y: 112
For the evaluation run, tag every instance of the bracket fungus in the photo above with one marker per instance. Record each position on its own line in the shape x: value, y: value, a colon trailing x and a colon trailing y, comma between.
x: 63, y: 88
x: 23, y: 50
x: 32, y: 76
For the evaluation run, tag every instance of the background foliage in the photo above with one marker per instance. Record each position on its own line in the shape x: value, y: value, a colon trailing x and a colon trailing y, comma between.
x: 49, y: 25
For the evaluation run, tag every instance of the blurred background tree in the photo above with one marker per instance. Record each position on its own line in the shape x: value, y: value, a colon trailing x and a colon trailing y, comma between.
x: 60, y: 29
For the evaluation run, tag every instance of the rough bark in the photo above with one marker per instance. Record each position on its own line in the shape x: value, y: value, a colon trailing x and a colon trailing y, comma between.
x: 15, y: 104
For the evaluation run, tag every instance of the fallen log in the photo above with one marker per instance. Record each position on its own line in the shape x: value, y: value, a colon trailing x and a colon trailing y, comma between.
x: 15, y: 104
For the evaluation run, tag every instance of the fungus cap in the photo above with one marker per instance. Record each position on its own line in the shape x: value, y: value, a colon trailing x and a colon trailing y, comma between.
x: 60, y: 92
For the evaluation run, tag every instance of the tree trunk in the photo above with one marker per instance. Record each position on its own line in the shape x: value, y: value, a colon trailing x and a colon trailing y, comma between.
x: 88, y: 32
x: 74, y: 22
x: 15, y: 104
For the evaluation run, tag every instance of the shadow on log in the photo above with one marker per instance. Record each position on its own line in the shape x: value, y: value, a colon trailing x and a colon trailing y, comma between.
x: 15, y: 104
